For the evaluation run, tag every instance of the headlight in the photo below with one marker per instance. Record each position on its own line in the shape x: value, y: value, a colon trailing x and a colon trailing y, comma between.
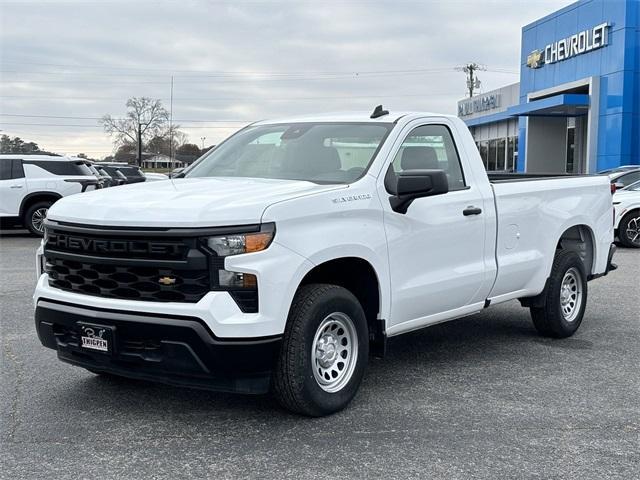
x: 240, y: 243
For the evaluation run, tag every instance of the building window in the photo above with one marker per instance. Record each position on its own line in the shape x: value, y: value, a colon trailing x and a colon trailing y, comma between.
x: 571, y: 150
x: 500, y: 154
x: 512, y: 154
x: 484, y: 152
x: 491, y: 162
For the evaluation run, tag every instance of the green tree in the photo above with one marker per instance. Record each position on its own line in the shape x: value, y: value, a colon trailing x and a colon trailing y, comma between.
x: 17, y: 145
x: 188, y: 149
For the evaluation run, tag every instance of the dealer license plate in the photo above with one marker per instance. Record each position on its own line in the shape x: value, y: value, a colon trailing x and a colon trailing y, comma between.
x: 97, y: 338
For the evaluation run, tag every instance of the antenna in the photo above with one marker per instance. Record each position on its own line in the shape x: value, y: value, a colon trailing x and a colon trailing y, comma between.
x: 379, y: 112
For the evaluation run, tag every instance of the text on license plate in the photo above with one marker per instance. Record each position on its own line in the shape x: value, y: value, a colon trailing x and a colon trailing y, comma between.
x: 95, y: 343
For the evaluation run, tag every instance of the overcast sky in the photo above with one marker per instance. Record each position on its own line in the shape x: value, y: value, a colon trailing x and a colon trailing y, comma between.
x: 243, y: 60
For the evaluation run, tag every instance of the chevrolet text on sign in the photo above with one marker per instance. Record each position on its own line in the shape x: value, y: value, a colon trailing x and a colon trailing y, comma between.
x: 582, y: 42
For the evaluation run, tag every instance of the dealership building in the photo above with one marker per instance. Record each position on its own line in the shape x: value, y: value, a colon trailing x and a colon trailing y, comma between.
x: 576, y: 108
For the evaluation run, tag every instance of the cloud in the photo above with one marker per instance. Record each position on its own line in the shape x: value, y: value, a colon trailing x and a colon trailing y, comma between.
x: 243, y: 60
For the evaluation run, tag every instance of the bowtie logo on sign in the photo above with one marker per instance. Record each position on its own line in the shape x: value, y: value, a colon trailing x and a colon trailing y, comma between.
x: 582, y: 42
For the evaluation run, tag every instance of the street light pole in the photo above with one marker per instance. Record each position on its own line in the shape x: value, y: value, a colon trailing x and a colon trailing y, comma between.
x: 203, y: 139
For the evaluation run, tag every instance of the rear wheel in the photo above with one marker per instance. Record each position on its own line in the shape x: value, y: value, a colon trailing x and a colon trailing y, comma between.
x: 34, y: 217
x: 565, y: 298
x: 324, y: 352
x: 629, y: 229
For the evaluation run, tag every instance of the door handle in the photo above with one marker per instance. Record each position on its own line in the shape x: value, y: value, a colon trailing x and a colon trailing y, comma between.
x: 471, y: 210
x: 15, y: 186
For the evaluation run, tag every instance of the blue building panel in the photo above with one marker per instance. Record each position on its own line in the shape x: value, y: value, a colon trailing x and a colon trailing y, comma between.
x: 616, y: 67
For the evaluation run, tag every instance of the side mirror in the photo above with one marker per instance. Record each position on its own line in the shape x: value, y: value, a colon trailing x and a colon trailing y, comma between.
x: 412, y: 184
x: 618, y: 186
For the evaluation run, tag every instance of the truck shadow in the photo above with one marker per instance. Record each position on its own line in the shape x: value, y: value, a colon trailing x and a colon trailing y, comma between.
x: 498, y: 335
x: 15, y: 233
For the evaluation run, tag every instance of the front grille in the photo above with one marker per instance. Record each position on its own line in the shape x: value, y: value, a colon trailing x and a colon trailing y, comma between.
x: 129, y: 263
x: 128, y: 282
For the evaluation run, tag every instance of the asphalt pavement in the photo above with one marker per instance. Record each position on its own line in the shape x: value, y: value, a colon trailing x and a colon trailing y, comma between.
x: 481, y: 397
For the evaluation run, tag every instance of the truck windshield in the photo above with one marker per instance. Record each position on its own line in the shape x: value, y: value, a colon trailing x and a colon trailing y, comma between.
x: 315, y: 152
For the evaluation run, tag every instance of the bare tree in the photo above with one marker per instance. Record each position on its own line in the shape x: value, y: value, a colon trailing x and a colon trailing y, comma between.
x: 145, y: 119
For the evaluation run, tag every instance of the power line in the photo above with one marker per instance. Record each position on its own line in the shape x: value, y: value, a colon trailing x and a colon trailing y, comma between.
x: 98, y: 126
x: 265, y: 98
x: 169, y: 71
x: 99, y: 118
x: 295, y: 75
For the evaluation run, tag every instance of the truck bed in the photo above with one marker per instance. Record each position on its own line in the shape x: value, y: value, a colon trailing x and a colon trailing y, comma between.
x: 532, y: 215
x: 523, y: 177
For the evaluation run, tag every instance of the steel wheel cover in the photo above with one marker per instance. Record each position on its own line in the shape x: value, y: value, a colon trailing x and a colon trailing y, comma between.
x: 571, y: 294
x: 334, y: 352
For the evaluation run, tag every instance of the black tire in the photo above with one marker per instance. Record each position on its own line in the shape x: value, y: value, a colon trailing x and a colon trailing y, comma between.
x: 551, y: 320
x: 630, y: 225
x: 294, y: 383
x: 30, y: 220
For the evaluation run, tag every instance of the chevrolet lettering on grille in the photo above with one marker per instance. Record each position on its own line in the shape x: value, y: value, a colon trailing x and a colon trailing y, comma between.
x: 95, y: 245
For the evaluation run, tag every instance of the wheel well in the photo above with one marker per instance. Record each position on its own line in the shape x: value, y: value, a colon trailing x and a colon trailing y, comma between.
x: 37, y: 197
x: 359, y: 277
x: 579, y: 239
x: 631, y: 210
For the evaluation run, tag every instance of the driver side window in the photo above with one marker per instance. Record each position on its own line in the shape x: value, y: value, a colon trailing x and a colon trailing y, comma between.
x: 431, y: 147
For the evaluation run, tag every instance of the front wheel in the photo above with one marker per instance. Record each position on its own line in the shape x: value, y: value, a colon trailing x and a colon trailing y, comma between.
x: 324, y: 351
x: 565, y: 297
x: 629, y: 230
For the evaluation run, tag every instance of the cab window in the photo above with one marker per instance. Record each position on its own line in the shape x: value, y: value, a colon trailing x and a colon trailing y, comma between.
x: 431, y: 147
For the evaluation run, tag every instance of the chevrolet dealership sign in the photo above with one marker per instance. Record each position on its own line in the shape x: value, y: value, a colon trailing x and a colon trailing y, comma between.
x: 583, y: 42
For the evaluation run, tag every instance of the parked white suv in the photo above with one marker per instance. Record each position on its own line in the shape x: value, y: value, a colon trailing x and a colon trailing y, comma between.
x: 627, y: 223
x: 30, y: 184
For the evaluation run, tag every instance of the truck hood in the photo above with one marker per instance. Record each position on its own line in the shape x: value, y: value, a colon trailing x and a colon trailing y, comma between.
x: 190, y: 202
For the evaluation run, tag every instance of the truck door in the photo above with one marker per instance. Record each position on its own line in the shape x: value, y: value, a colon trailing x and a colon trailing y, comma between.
x: 436, y: 248
x: 13, y: 186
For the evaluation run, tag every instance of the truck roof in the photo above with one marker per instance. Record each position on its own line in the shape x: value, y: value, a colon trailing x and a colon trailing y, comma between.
x: 360, y: 116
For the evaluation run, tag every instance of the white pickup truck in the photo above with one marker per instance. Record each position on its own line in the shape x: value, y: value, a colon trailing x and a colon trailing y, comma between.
x: 286, y: 256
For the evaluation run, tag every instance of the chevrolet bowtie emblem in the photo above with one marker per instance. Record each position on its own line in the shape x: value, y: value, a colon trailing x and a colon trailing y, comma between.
x: 167, y: 280
x: 535, y: 59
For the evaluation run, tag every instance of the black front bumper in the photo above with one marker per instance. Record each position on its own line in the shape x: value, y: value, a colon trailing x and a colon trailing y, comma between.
x: 178, y: 351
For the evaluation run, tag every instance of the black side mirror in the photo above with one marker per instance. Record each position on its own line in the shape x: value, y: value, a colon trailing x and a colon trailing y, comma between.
x: 412, y: 184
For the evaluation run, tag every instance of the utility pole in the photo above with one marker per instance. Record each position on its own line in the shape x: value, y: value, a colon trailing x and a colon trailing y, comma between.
x: 140, y: 144
x: 203, y: 139
x: 473, y: 82
x: 171, y: 126
x: 140, y: 125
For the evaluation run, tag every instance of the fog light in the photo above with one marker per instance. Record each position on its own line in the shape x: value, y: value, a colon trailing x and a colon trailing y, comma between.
x: 237, y: 279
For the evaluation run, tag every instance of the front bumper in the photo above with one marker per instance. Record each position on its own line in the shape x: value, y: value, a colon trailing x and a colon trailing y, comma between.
x: 176, y: 350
